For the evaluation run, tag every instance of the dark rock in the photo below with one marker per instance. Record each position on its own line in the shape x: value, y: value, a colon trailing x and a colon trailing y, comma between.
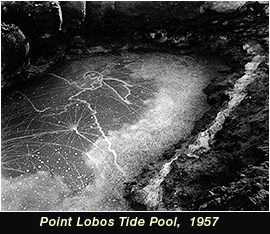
x: 236, y: 36
x: 35, y: 19
x: 160, y: 11
x: 131, y: 17
x: 248, y: 192
x: 95, y: 11
x: 14, y: 50
x: 73, y: 15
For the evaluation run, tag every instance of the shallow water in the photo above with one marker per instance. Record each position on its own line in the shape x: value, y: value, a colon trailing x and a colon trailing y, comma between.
x: 71, y: 138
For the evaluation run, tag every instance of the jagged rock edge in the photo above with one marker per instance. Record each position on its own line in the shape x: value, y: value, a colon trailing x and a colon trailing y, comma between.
x: 151, y: 194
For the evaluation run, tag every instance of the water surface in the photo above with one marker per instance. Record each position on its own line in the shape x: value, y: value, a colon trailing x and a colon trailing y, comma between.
x: 72, y: 137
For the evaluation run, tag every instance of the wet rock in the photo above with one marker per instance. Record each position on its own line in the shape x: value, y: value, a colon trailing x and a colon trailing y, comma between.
x: 248, y: 192
x: 73, y: 15
x: 14, y: 50
x: 131, y: 17
x: 236, y: 36
x: 223, y: 6
x: 99, y: 8
x: 35, y: 19
x: 160, y: 10
x: 95, y: 11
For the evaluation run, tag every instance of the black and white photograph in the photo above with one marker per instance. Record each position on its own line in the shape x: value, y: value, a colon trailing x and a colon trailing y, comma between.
x: 134, y: 106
